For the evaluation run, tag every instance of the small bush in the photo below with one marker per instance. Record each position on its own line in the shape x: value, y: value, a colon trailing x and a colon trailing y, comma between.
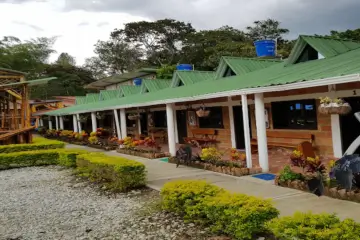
x: 310, y: 226
x: 38, y: 144
x: 237, y: 215
x: 289, y: 175
x: 62, y: 157
x: 116, y: 173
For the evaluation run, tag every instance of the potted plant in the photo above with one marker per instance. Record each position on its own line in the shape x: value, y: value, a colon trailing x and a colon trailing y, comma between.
x: 334, y: 106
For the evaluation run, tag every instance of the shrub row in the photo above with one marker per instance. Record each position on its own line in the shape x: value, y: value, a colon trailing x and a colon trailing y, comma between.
x: 38, y: 144
x: 116, y: 173
x: 237, y: 215
x: 246, y: 217
x: 64, y: 157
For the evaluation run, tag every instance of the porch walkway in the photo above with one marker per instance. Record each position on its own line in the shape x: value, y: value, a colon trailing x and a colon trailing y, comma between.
x: 286, y: 200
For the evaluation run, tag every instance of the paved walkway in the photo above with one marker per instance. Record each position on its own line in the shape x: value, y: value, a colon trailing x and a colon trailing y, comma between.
x: 286, y: 200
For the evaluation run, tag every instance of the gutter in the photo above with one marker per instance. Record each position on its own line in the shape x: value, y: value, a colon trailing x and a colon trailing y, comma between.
x: 275, y: 88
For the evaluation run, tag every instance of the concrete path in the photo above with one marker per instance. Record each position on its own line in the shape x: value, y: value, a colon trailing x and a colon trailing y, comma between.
x: 286, y: 200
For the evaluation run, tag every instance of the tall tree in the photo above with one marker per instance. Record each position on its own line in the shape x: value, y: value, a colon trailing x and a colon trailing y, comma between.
x: 66, y: 59
x: 348, y: 34
x: 205, y: 48
x: 161, y: 40
x: 266, y: 29
x: 114, y: 56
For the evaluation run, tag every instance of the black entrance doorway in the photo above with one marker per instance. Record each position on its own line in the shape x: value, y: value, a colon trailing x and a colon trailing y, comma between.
x: 144, y: 124
x: 239, y: 127
x: 181, y: 125
x: 349, y: 125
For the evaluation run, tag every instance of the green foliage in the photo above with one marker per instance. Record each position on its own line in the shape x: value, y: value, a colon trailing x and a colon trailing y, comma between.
x: 288, y: 175
x: 62, y: 157
x: 308, y: 226
x: 165, y: 71
x: 38, y: 144
x: 117, y: 174
x: 237, y: 215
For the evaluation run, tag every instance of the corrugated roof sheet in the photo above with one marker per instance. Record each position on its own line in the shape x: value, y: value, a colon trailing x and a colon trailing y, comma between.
x: 152, y: 85
x: 278, y: 74
x: 245, y: 65
x: 80, y: 100
x: 92, y: 97
x: 328, y: 47
x: 109, y: 94
x: 191, y: 77
x: 130, y: 90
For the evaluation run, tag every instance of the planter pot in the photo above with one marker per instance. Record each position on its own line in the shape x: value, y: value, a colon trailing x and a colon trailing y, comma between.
x: 202, y: 113
x: 255, y: 170
x: 334, y: 108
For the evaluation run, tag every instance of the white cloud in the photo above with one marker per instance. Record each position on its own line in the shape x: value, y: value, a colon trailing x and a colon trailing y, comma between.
x: 76, y: 38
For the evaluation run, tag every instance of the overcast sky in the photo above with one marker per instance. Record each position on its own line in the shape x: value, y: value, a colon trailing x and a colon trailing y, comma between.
x: 80, y: 23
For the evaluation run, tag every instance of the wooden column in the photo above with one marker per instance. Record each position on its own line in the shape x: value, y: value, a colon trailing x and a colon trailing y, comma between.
x: 2, y: 114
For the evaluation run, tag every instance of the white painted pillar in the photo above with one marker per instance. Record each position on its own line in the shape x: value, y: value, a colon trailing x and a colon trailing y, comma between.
x: 93, y: 121
x: 232, y: 125
x: 50, y: 124
x: 123, y: 123
x: 61, y: 122
x: 336, y: 135
x: 56, y: 122
x: 117, y: 124
x: 75, y: 123
x: 261, y: 131
x: 139, y: 126
x: 79, y: 123
x: 247, y: 130
x: 176, y: 128
x: 171, y: 128
x: 41, y: 122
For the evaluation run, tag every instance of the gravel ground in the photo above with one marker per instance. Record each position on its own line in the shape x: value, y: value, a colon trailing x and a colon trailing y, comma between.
x: 49, y: 203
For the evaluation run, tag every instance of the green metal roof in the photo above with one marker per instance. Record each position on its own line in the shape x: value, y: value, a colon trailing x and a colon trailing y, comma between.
x: 153, y: 85
x: 128, y: 90
x: 12, y: 71
x: 119, y: 78
x: 80, y: 100
x: 328, y: 47
x: 34, y: 82
x: 109, y: 94
x: 191, y: 77
x: 92, y: 97
x: 243, y: 65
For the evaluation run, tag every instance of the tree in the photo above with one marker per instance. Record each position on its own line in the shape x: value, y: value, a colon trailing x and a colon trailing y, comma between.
x: 114, y: 56
x: 348, y: 34
x: 205, y: 48
x: 162, y: 40
x: 266, y: 29
x: 65, y: 59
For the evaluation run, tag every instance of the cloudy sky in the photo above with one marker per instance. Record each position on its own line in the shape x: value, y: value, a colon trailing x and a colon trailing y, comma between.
x: 80, y: 23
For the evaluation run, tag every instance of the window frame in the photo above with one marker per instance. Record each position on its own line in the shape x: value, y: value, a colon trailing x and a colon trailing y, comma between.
x: 294, y: 114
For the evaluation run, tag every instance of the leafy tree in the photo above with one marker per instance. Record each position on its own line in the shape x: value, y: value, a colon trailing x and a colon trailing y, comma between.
x: 266, y: 29
x: 65, y: 59
x: 205, y: 48
x: 348, y: 34
x: 161, y: 40
x: 165, y: 71
x: 114, y: 56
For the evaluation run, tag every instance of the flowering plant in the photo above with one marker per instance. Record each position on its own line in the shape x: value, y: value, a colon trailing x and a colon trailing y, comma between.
x: 210, y: 154
x: 236, y: 155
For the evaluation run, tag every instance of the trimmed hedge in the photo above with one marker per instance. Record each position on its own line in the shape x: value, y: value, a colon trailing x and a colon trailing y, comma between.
x: 64, y: 157
x: 310, y: 226
x: 237, y: 215
x: 116, y: 173
x: 38, y: 144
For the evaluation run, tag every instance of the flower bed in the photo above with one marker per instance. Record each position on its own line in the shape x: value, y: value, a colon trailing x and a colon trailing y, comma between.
x: 142, y: 153
x: 225, y: 167
x: 146, y: 148
x: 336, y: 181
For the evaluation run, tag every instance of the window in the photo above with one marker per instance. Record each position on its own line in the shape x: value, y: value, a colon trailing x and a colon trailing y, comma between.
x: 294, y: 114
x: 130, y: 123
x: 160, y: 119
x: 214, y: 120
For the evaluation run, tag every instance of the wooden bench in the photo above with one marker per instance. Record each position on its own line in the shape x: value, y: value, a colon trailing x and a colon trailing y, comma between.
x: 160, y: 134
x: 202, y: 137
x: 286, y: 139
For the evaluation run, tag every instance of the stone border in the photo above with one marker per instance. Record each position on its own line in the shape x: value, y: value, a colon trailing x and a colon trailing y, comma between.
x: 334, y: 192
x: 151, y: 155
x: 233, y: 171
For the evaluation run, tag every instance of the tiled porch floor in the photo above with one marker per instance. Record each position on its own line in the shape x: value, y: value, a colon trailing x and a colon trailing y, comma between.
x: 278, y: 157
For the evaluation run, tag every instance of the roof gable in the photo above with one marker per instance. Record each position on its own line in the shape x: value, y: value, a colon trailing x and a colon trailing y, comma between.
x: 80, y: 100
x: 129, y: 90
x: 190, y: 77
x: 327, y: 47
x: 92, y: 97
x: 109, y: 94
x: 153, y: 85
x: 242, y: 66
